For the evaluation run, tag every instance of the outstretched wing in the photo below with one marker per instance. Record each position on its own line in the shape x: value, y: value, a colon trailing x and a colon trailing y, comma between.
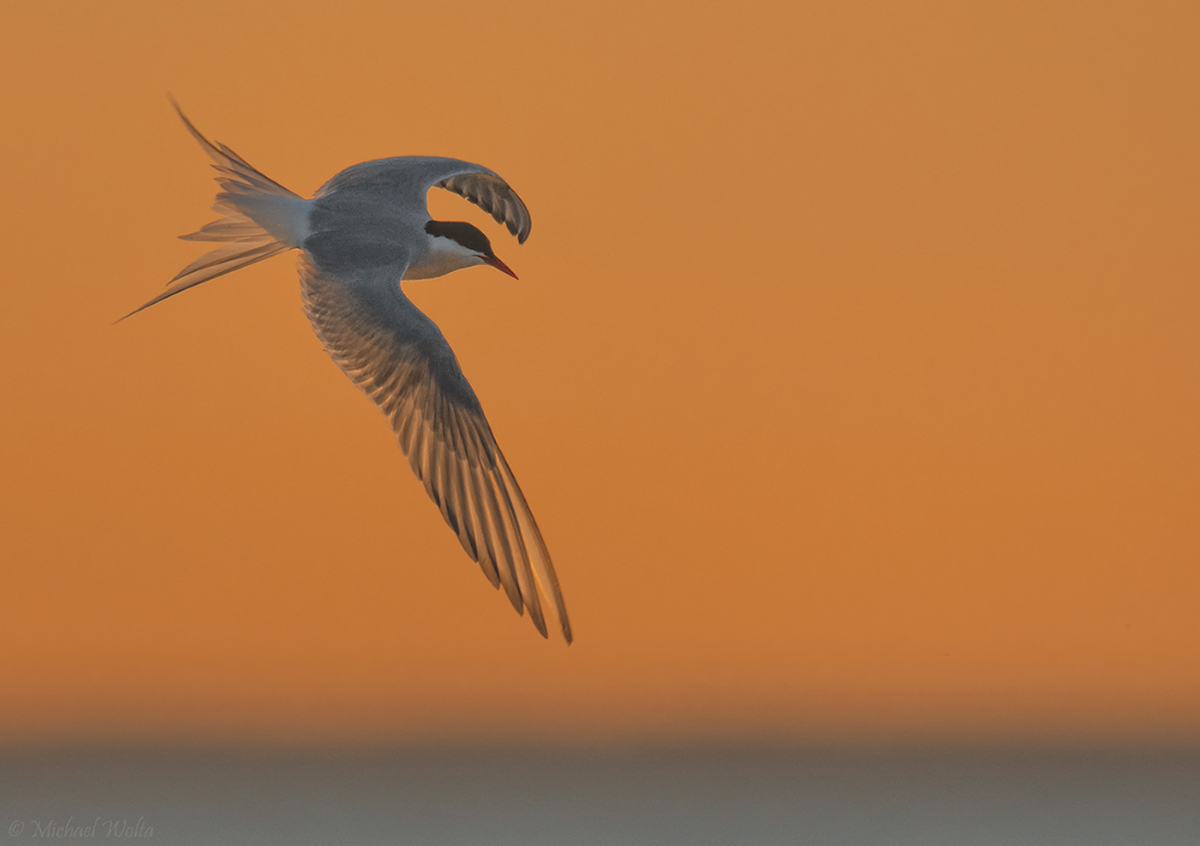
x: 408, y: 179
x: 400, y: 359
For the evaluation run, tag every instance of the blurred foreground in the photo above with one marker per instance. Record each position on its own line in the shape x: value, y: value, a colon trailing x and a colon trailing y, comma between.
x: 711, y: 795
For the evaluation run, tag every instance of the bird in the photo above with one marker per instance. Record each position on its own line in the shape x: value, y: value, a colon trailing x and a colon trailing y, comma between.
x: 362, y: 233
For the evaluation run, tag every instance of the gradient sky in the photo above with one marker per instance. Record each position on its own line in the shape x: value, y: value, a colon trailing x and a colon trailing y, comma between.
x: 853, y: 374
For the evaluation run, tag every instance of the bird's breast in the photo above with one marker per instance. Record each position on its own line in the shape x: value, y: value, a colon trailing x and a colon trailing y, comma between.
x: 433, y: 263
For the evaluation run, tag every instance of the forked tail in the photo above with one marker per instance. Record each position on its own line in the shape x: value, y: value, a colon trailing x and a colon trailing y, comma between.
x: 260, y: 218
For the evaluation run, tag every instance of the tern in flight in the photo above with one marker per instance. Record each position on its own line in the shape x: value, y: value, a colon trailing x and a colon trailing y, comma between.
x: 363, y: 232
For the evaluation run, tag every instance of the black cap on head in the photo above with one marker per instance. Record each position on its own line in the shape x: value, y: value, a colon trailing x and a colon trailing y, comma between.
x: 464, y: 233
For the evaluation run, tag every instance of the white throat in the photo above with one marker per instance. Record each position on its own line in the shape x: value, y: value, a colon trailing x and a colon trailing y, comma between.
x: 444, y: 255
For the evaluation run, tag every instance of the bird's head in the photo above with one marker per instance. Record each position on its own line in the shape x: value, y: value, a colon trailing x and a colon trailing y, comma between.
x: 463, y: 245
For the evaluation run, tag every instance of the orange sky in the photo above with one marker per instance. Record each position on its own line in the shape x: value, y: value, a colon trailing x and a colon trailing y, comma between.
x: 853, y: 375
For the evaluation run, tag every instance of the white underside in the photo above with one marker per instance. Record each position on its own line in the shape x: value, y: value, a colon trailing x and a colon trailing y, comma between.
x: 445, y: 255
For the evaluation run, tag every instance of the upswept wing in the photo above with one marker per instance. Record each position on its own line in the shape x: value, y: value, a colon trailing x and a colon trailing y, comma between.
x: 400, y: 359
x: 409, y: 178
x: 494, y: 196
